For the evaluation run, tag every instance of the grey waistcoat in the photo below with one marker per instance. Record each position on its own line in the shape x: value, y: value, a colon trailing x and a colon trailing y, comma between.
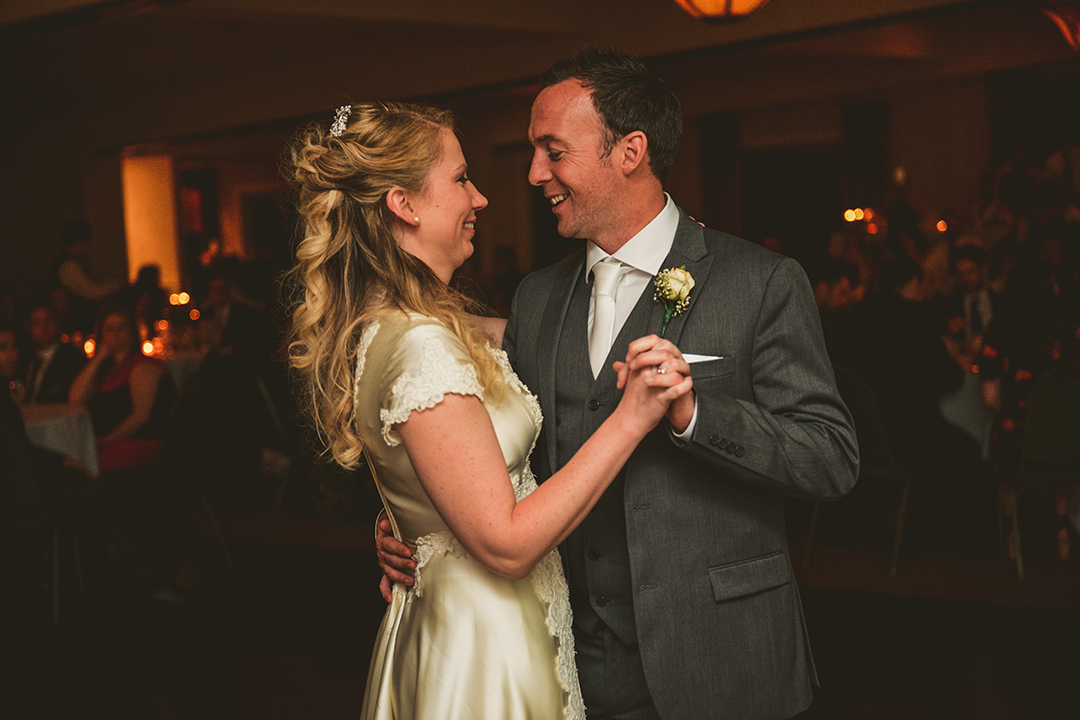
x: 596, y: 556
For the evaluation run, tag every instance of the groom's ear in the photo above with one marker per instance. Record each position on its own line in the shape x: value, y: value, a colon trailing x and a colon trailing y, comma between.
x: 398, y: 202
x: 634, y: 151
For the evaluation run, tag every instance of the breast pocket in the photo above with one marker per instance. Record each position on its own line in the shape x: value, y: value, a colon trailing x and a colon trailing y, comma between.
x: 712, y: 368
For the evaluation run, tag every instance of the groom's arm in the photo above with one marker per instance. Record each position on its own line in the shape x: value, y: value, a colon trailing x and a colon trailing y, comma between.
x: 793, y: 435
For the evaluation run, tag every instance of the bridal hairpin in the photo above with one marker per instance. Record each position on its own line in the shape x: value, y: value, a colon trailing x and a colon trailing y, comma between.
x: 340, y: 120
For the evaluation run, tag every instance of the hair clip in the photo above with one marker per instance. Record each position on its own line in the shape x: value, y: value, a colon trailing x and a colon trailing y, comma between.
x: 340, y: 120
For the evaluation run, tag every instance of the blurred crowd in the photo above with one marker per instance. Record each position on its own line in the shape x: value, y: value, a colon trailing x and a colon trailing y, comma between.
x: 952, y: 322
x: 185, y: 392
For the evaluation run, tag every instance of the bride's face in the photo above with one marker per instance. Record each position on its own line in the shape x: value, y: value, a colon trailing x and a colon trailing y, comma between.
x: 447, y: 209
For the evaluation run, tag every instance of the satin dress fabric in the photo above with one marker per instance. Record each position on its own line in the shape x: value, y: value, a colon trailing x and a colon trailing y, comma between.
x: 463, y: 642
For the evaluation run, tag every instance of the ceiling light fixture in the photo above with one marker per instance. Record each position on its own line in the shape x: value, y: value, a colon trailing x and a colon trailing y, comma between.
x: 720, y: 9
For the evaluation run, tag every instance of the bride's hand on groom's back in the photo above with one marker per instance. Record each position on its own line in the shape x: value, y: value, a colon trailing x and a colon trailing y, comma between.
x: 395, y: 559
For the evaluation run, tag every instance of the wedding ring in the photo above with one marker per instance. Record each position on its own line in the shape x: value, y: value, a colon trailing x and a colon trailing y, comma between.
x: 661, y: 370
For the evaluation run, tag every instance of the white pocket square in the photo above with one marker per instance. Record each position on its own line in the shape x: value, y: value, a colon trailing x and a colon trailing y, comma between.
x: 692, y: 358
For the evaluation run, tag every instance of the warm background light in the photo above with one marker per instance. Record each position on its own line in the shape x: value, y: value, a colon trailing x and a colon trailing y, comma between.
x: 194, y: 314
x: 942, y: 226
x: 150, y: 216
x: 720, y: 9
x: 148, y: 348
x: 88, y: 347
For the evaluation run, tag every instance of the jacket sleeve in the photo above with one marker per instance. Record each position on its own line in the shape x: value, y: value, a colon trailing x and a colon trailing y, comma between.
x: 788, y: 432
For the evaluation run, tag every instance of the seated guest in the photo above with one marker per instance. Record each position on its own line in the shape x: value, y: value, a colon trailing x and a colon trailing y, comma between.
x: 905, y: 361
x: 147, y: 297
x: 836, y: 291
x: 903, y: 358
x: 129, y: 395
x: 54, y: 364
x: 970, y: 308
x: 232, y: 324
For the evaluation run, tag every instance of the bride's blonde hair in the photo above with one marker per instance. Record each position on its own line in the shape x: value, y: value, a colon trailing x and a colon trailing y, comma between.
x: 349, y: 266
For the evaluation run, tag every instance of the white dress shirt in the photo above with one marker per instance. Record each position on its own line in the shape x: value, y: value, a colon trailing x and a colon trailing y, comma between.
x: 643, y: 254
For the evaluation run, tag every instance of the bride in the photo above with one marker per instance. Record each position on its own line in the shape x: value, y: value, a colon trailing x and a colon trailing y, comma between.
x: 394, y: 368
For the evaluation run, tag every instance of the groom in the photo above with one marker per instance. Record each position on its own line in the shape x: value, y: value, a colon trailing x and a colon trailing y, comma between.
x: 684, y: 601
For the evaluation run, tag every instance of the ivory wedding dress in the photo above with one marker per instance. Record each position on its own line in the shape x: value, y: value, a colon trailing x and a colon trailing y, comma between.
x: 463, y: 642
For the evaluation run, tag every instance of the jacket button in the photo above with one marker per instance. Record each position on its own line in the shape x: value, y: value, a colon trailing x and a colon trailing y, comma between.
x: 731, y: 446
x: 594, y: 404
x: 601, y: 601
x: 714, y: 439
x: 740, y: 451
x: 595, y: 554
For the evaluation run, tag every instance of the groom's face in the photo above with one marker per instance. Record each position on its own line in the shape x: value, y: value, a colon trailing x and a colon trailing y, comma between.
x: 569, y: 161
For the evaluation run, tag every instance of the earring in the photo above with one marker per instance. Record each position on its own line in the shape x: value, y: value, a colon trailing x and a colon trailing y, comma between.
x: 416, y: 220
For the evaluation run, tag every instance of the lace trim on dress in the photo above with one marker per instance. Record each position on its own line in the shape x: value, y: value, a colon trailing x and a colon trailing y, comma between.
x: 548, y: 580
x: 440, y: 374
x: 427, y: 547
x: 514, y: 381
x: 550, y: 586
x: 361, y: 355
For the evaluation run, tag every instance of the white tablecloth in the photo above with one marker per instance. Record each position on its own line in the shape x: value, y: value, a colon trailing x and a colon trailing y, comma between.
x: 64, y: 429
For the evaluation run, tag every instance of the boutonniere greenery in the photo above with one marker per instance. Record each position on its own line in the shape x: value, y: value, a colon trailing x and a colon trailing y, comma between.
x: 673, y: 288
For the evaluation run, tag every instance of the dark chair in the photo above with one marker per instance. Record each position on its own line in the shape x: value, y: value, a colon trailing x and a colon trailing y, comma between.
x: 882, y: 481
x: 24, y: 529
x: 1050, y: 448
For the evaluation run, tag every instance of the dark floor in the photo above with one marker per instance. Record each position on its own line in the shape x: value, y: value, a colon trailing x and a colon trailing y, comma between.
x: 287, y: 634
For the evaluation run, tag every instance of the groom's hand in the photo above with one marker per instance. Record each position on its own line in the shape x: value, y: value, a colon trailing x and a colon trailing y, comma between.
x: 394, y: 560
x: 653, y: 350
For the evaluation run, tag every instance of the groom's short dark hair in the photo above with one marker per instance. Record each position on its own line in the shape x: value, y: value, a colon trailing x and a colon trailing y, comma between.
x: 628, y: 97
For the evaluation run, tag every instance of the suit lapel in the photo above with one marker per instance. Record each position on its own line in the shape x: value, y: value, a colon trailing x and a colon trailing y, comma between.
x: 548, y: 348
x: 687, y: 250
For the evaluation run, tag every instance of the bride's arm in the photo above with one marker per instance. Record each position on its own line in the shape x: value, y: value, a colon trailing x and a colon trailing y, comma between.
x: 494, y: 327
x: 456, y: 455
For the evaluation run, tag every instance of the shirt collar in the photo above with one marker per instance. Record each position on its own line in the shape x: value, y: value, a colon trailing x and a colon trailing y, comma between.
x: 47, y: 354
x: 645, y: 251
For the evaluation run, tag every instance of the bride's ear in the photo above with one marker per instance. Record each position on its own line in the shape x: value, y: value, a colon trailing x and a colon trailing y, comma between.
x: 398, y: 202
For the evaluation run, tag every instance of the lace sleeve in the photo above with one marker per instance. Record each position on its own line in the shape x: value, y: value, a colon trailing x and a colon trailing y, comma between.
x: 433, y: 363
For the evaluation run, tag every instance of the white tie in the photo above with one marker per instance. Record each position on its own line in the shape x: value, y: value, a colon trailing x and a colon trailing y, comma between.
x: 606, y: 275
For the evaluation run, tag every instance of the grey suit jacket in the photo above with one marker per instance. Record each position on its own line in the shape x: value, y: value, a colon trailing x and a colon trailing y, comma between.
x: 719, y: 621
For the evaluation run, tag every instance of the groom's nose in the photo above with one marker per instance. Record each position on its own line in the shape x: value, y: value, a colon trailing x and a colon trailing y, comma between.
x: 538, y: 169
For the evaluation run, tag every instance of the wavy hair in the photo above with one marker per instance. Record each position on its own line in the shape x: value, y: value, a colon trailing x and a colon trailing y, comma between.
x: 349, y: 266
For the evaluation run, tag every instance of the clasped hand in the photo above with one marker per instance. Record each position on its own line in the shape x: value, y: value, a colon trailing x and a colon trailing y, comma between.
x: 660, y: 364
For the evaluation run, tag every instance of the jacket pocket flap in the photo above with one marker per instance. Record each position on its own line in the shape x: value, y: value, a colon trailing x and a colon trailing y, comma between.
x: 713, y: 368
x: 749, y: 576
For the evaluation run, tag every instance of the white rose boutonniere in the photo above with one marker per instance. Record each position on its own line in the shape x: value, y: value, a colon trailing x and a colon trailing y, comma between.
x: 673, y: 288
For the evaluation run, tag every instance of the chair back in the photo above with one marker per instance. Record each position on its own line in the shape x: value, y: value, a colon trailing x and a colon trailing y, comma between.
x: 1050, y: 449
x: 875, y: 456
